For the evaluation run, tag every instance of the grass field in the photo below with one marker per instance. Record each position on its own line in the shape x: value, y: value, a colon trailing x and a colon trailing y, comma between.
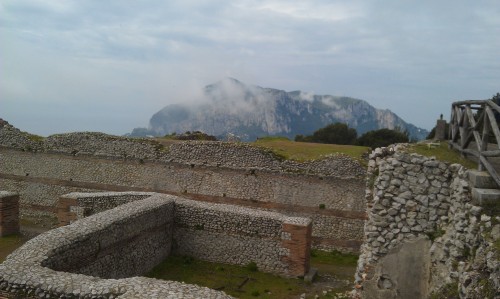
x: 246, y: 282
x: 442, y: 153
x: 304, y: 151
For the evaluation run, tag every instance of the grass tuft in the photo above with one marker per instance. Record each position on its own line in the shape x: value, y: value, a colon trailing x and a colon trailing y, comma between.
x: 442, y: 153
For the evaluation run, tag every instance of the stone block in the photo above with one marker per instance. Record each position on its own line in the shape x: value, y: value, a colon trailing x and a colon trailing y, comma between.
x: 485, y: 196
x: 481, y: 179
x: 9, y: 213
x: 440, y: 130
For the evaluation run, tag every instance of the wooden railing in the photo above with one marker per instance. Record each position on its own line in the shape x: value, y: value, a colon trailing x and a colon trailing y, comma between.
x: 476, y: 122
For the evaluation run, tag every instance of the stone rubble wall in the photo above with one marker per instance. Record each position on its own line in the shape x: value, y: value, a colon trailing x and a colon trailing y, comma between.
x: 41, y: 178
x: 92, y: 257
x: 201, y: 229
x: 246, y: 235
x: 410, y: 199
x: 209, y: 153
x: 83, y: 204
x: 105, y: 244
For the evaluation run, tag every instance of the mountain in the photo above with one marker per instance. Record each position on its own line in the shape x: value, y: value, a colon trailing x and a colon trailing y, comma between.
x: 232, y: 107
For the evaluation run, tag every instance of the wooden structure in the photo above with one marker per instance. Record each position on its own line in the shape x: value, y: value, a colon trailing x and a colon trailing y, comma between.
x: 474, y: 131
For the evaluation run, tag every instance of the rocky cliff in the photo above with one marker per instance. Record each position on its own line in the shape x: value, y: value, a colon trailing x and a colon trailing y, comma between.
x: 230, y: 106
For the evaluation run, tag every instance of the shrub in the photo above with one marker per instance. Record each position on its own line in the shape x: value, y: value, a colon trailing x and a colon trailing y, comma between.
x: 337, y: 133
x: 382, y: 138
x: 255, y: 293
x: 252, y: 266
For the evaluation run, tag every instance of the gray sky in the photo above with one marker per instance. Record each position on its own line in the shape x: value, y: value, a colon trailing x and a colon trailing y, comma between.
x: 109, y: 65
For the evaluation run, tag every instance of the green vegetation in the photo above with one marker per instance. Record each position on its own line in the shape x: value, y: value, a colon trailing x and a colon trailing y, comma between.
x: 252, y: 267
x: 435, y: 234
x: 303, y: 151
x: 240, y: 282
x: 337, y: 133
x: 34, y: 137
x: 9, y: 244
x: 322, y: 206
x: 443, y: 153
x: 333, y: 258
x: 382, y: 138
x: 487, y: 288
x: 448, y: 291
x: 195, y: 135
x: 248, y: 282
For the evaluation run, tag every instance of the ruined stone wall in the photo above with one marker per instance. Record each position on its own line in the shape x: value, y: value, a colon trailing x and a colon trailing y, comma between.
x: 423, y: 234
x: 202, y: 229
x: 41, y: 178
x: 208, y: 153
x: 126, y: 241
x: 41, y: 170
x: 294, y: 189
x: 130, y: 239
x: 245, y: 235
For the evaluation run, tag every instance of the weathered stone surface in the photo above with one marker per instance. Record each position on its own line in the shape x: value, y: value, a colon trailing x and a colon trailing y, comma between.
x: 432, y: 200
x: 402, y: 273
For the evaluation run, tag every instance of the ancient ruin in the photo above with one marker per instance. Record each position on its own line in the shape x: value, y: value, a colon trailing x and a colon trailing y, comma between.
x: 130, y: 233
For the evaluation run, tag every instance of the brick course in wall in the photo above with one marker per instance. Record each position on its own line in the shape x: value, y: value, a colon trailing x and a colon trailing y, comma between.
x: 9, y: 213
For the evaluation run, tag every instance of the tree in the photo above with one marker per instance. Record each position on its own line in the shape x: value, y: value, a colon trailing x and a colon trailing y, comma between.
x: 382, y: 137
x: 337, y: 133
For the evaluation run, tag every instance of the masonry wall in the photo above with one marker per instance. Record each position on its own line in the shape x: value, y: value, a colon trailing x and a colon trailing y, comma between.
x: 423, y: 233
x: 275, y: 242
x: 74, y: 261
x: 244, y: 235
x: 143, y: 229
x: 41, y: 178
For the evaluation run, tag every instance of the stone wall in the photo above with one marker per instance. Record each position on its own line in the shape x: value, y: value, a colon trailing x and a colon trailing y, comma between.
x: 41, y: 170
x: 423, y: 234
x: 202, y: 229
x: 246, y: 235
x: 208, y: 153
x: 76, y: 260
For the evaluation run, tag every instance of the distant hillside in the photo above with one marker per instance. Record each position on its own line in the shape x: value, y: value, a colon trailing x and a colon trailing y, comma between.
x: 231, y: 107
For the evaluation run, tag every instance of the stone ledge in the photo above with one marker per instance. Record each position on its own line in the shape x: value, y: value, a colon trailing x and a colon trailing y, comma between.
x: 481, y: 179
x: 485, y: 196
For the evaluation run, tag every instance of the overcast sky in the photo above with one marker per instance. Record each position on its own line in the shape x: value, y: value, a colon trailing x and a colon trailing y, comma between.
x: 109, y: 65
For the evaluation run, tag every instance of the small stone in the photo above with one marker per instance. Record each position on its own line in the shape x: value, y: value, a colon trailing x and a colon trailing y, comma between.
x: 485, y: 218
x: 392, y: 211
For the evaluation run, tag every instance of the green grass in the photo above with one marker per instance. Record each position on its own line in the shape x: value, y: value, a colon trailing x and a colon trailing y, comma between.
x: 442, y: 153
x: 335, y: 263
x: 240, y: 282
x: 305, y: 151
x: 447, y: 291
x: 9, y: 244
x: 249, y: 282
x: 335, y: 257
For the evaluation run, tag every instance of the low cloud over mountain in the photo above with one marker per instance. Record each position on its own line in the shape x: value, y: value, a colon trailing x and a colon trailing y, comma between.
x: 230, y: 106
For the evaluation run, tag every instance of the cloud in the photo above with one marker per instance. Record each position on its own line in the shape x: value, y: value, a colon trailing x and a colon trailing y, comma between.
x: 141, y: 56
